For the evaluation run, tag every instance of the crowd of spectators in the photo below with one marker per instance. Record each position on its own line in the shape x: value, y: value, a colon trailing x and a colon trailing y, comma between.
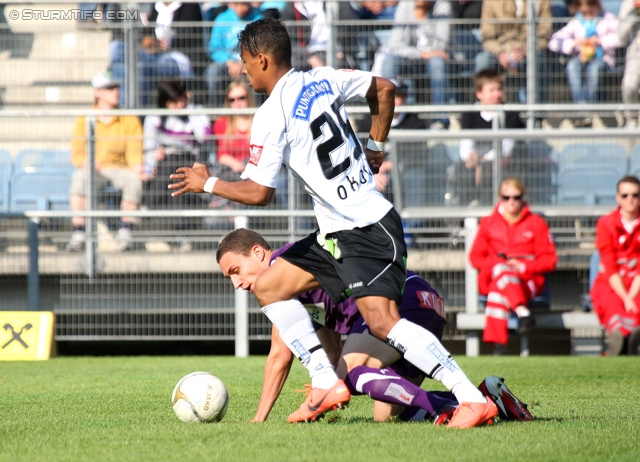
x: 433, y: 46
x: 439, y: 52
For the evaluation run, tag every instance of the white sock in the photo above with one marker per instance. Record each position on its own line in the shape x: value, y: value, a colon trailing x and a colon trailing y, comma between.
x: 423, y: 349
x: 296, y: 330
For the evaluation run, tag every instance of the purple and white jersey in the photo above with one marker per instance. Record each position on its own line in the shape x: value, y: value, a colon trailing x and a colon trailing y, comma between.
x: 304, y: 124
x: 344, y: 317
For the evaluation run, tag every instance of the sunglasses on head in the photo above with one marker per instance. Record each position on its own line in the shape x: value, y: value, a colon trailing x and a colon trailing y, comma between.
x: 237, y: 98
x: 634, y: 195
x: 515, y: 198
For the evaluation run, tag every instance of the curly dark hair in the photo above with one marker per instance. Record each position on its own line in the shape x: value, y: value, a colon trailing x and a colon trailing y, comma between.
x: 240, y: 241
x: 269, y: 36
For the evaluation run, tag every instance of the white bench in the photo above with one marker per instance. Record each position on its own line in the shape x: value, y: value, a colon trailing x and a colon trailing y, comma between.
x: 582, y: 325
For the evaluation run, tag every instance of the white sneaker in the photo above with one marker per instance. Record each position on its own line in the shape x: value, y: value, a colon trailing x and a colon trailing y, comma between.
x: 631, y: 124
x: 77, y: 242
x: 124, y: 239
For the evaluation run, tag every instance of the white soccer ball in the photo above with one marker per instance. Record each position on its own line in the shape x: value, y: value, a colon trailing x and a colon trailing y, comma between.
x: 200, y: 398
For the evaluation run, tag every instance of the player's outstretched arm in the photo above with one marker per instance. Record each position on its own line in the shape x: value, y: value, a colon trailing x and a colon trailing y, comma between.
x: 276, y: 371
x: 380, y: 98
x: 193, y: 180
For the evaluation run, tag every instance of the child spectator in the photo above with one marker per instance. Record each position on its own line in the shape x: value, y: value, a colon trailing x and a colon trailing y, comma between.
x: 590, y: 38
x: 474, y: 175
x: 171, y: 142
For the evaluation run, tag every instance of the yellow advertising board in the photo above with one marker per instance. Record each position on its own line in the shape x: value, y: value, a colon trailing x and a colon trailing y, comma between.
x: 26, y: 335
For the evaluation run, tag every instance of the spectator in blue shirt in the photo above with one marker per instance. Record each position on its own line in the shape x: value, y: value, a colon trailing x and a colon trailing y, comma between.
x: 226, y: 65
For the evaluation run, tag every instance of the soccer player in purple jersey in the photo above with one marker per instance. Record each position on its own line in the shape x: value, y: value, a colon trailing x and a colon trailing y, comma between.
x: 244, y: 254
x: 359, y: 249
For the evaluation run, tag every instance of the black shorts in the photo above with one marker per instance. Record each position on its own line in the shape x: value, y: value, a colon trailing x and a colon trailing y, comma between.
x: 371, y: 261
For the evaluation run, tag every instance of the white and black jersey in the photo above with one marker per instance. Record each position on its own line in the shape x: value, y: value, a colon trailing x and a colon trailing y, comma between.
x: 304, y: 125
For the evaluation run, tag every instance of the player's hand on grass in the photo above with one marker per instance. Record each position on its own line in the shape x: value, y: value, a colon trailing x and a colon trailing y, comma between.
x: 375, y: 159
x: 189, y: 179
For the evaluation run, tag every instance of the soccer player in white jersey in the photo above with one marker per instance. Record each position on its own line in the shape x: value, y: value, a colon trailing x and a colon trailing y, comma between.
x: 359, y: 249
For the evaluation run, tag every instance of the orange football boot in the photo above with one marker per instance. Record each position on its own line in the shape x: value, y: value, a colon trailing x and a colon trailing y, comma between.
x: 469, y: 415
x: 320, y: 401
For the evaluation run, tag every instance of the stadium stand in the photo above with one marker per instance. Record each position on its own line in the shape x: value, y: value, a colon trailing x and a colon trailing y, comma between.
x: 588, y: 173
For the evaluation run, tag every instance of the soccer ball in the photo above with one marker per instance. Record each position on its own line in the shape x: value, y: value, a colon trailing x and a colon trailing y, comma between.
x: 200, y: 398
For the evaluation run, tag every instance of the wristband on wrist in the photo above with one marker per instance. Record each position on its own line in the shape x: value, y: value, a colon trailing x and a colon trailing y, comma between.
x: 374, y: 145
x: 208, y: 186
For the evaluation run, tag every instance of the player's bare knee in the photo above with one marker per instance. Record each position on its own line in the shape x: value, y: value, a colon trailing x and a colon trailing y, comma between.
x: 380, y: 328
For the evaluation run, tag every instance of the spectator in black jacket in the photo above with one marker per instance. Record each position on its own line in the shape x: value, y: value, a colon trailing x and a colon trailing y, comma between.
x: 401, y: 121
x: 474, y: 174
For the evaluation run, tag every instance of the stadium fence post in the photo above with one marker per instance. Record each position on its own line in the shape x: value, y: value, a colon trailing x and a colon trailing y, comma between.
x: 472, y: 341
x: 241, y: 308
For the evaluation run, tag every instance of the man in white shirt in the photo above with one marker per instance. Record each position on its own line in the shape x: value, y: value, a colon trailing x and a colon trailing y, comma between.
x: 359, y: 249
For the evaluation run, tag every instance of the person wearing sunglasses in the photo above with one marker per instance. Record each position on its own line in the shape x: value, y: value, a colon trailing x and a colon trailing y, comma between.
x: 232, y: 131
x: 616, y: 290
x: 231, y: 134
x: 513, y: 251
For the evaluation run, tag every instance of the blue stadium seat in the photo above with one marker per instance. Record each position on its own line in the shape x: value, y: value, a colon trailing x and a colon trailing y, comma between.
x: 5, y: 180
x: 35, y: 160
x: 41, y: 180
x: 588, y: 173
x: 634, y: 161
x: 40, y: 191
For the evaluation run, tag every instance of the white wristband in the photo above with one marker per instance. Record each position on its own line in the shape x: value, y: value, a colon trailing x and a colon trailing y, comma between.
x: 374, y: 145
x: 208, y: 186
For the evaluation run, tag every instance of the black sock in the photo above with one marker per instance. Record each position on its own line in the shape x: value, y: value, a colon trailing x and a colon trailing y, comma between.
x: 79, y: 228
x: 125, y: 224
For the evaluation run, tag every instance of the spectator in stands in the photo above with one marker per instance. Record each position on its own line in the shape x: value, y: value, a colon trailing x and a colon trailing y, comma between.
x: 309, y: 42
x: 590, y: 39
x: 630, y: 26
x: 504, y: 41
x: 118, y: 160
x: 474, y: 174
x: 418, y: 45
x: 465, y: 36
x: 401, y: 121
x: 171, y: 142
x: 232, y: 131
x: 513, y: 251
x: 232, y: 146
x: 615, y: 293
x: 376, y: 10
x: 226, y: 65
x: 353, y: 46
x: 185, y: 44
x: 360, y: 42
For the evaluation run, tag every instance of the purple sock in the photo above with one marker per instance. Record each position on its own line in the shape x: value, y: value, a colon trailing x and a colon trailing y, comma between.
x: 387, y: 386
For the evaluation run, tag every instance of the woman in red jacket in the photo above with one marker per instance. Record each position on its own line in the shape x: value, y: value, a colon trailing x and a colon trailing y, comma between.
x: 616, y: 291
x: 513, y: 250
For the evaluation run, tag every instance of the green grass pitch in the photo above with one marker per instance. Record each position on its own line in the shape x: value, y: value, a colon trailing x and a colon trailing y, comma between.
x: 118, y: 409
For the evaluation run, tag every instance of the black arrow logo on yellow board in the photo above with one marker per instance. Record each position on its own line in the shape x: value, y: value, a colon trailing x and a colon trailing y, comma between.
x: 16, y: 336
